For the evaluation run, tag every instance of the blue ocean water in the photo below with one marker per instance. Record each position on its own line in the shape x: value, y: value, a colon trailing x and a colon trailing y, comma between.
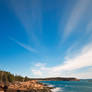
x: 70, y: 86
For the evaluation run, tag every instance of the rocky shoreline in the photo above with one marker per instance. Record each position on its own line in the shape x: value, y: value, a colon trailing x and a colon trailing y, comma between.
x: 29, y: 86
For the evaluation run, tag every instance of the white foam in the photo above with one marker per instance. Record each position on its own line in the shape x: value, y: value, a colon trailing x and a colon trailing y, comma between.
x: 50, y: 85
x: 57, y: 90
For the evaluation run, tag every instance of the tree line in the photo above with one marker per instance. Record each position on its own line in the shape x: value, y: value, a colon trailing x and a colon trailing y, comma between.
x: 8, y: 77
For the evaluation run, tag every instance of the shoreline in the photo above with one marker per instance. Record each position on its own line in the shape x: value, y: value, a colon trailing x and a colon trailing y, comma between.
x: 29, y: 86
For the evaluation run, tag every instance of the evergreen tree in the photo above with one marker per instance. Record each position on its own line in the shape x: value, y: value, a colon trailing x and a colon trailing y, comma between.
x: 8, y: 77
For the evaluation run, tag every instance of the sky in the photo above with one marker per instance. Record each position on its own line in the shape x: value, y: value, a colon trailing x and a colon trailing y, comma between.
x: 46, y: 38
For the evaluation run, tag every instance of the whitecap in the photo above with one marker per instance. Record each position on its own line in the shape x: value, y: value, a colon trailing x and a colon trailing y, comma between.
x: 57, y: 90
x: 50, y: 85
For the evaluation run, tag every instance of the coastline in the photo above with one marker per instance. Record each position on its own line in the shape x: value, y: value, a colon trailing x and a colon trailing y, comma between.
x: 16, y: 83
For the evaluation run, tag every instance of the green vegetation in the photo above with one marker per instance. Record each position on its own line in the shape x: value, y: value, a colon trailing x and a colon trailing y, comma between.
x: 8, y: 77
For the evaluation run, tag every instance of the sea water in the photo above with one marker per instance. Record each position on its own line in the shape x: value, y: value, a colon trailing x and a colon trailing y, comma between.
x: 70, y: 86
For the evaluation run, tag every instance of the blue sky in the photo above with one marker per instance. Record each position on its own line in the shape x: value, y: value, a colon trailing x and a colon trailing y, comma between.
x: 45, y: 38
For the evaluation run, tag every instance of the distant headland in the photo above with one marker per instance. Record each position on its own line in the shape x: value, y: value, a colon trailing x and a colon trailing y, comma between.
x: 56, y: 79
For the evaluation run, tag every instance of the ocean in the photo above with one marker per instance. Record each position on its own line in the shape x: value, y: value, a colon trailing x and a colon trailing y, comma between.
x: 70, y: 86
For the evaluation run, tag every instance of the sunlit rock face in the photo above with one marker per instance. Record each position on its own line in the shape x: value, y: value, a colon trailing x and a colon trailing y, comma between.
x: 29, y: 86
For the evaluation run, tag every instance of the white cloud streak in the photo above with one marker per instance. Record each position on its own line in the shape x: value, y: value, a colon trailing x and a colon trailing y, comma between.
x: 89, y: 27
x: 29, y: 14
x: 81, y: 60
x: 75, y: 17
x: 29, y: 48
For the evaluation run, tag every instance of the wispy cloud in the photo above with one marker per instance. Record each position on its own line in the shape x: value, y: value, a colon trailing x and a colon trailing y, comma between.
x: 81, y: 60
x: 29, y: 15
x: 29, y: 48
x: 76, y: 16
x: 89, y: 28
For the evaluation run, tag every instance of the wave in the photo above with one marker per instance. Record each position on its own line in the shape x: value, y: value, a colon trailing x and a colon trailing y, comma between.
x: 50, y: 85
x: 57, y: 90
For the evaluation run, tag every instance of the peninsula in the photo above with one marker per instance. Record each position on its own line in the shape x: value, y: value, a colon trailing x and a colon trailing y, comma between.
x: 56, y: 79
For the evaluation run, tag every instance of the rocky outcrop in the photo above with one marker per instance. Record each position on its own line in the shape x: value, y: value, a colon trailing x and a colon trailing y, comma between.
x: 29, y: 86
